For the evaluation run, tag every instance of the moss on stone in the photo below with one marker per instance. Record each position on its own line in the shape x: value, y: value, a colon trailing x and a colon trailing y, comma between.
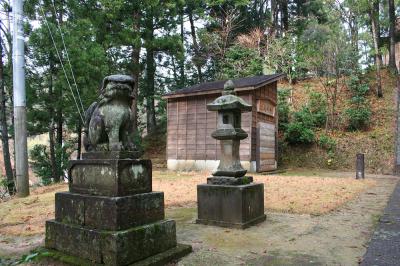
x: 48, y: 254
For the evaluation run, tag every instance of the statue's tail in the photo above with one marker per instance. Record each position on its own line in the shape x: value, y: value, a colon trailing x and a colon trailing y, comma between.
x: 89, y: 113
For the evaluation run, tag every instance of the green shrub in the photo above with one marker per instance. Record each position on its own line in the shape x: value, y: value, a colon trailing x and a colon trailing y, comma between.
x: 327, y: 143
x: 41, y: 163
x: 356, y: 87
x: 358, y: 117
x: 283, y: 108
x: 305, y: 117
x: 317, y: 106
x: 314, y: 113
x: 241, y: 61
x: 298, y: 133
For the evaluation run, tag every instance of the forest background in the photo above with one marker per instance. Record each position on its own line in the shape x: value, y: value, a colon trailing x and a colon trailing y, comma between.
x: 338, y: 97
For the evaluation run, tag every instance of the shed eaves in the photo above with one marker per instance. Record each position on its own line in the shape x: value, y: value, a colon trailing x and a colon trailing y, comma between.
x: 219, y: 85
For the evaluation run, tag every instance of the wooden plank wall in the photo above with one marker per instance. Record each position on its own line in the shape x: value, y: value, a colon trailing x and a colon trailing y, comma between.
x: 266, y: 147
x: 190, y: 125
x: 245, y: 145
x: 268, y: 91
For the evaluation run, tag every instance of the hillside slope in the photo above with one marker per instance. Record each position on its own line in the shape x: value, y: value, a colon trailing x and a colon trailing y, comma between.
x: 377, y: 142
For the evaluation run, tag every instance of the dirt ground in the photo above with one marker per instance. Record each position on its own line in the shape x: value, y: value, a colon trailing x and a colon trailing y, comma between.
x: 312, y: 219
x: 337, y: 238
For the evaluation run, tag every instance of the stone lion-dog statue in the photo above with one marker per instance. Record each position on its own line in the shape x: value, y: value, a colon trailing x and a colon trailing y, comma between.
x: 109, y: 122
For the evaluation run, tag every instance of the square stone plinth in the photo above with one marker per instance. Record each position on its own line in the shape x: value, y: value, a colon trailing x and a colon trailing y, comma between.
x: 230, y: 206
x: 109, y: 213
x: 117, y: 248
x: 110, y: 177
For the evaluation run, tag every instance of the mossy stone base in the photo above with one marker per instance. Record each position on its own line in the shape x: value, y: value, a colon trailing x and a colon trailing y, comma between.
x: 159, y: 259
x: 230, y: 206
x: 111, y: 247
x: 109, y: 213
x: 110, y: 177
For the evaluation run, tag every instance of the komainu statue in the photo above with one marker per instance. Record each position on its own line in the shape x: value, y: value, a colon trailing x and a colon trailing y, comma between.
x: 109, y: 122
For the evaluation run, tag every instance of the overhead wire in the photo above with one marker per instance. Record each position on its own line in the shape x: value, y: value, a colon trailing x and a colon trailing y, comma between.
x: 61, y: 62
x: 67, y: 55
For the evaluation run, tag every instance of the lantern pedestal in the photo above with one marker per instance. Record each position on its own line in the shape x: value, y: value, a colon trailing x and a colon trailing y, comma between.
x: 234, y: 206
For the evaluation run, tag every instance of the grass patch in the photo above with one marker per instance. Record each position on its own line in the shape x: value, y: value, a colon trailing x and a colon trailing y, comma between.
x: 310, y: 194
x: 26, y: 216
x: 295, y: 194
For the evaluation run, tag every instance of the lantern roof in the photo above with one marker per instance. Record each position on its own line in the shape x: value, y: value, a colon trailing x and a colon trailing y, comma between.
x: 229, y: 100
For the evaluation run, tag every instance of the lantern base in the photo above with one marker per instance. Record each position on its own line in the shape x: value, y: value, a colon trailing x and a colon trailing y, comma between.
x: 227, y: 180
x: 230, y: 206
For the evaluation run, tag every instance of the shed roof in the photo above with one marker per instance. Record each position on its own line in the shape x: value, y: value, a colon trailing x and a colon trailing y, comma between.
x: 216, y: 86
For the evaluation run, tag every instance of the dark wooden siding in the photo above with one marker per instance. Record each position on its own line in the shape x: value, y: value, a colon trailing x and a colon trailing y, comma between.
x: 190, y: 125
x: 269, y: 92
x: 266, y: 93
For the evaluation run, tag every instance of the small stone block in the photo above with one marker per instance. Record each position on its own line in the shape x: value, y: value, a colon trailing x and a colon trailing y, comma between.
x: 109, y: 213
x: 107, y: 177
x: 165, y: 257
x: 230, y: 206
x: 116, y: 248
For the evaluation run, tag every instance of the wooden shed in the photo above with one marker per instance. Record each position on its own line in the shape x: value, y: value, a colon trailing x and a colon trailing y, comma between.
x: 189, y: 142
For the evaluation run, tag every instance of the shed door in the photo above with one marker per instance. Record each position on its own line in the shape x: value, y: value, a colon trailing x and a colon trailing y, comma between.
x: 265, y: 151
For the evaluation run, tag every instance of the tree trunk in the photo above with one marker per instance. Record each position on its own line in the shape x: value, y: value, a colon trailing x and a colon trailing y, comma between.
x: 354, y: 32
x: 195, y: 46
x: 59, y: 117
x: 274, y: 18
x: 284, y: 15
x: 150, y: 77
x: 59, y: 141
x: 374, y: 12
x: 392, y: 24
x: 182, y: 78
x: 4, y: 128
x: 53, y: 161
x: 136, y: 66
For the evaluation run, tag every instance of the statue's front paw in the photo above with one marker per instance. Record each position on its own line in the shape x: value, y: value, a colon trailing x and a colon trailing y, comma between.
x: 115, y: 146
x: 130, y: 147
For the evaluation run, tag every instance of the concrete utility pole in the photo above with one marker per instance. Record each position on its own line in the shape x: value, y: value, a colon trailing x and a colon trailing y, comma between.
x: 20, y: 137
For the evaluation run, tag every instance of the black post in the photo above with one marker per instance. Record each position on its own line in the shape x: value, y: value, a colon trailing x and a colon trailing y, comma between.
x: 360, y: 169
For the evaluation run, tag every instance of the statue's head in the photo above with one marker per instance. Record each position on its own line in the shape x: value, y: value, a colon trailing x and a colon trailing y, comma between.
x: 117, y: 86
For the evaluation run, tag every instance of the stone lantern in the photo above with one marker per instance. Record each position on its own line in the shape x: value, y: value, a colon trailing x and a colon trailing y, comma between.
x: 230, y: 133
x: 229, y: 198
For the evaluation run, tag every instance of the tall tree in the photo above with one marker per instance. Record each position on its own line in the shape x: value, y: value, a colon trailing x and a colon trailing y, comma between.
x: 374, y: 15
x: 191, y: 6
x: 4, y: 126
x: 392, y: 30
x: 54, y: 99
x: 284, y: 15
x: 135, y: 64
x: 149, y: 91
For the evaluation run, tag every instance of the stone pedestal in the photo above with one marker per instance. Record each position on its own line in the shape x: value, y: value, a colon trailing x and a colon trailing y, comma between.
x: 112, y: 217
x: 236, y: 206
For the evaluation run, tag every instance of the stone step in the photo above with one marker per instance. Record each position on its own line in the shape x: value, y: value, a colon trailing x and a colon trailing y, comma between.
x: 117, y: 248
x: 109, y: 213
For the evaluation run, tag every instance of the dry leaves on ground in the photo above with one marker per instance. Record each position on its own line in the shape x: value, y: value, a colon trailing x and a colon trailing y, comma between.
x: 295, y: 194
